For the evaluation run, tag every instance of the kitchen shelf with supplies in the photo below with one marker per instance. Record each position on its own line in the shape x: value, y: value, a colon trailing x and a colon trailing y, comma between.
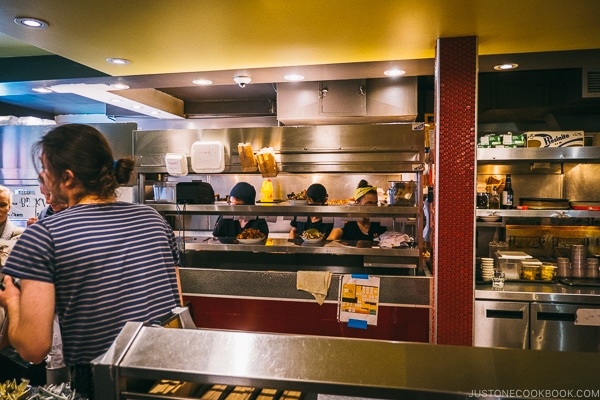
x: 555, y: 200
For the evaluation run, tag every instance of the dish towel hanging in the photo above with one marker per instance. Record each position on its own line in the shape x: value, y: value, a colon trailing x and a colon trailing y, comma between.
x: 314, y: 282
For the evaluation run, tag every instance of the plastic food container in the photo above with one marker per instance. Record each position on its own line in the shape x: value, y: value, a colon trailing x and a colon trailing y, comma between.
x: 547, y: 272
x: 529, y: 272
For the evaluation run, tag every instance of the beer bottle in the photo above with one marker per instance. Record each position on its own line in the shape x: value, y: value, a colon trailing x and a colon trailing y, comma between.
x: 507, y: 200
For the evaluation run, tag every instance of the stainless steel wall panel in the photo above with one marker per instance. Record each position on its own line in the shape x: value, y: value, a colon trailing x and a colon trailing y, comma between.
x: 395, y: 290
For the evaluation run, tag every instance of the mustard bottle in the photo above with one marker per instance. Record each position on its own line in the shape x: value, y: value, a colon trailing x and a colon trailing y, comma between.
x: 266, y: 191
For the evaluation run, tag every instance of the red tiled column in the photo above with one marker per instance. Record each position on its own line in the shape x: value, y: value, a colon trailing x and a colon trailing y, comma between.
x: 455, y: 106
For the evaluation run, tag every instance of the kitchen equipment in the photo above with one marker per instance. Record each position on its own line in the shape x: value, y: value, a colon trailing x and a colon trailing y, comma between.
x: 483, y: 200
x: 501, y: 324
x: 402, y: 193
x: 537, y: 203
x: 555, y: 327
x: 164, y: 192
x: 208, y: 157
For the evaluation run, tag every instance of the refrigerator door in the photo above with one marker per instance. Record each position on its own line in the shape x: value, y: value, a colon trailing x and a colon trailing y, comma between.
x: 554, y: 327
x: 501, y: 324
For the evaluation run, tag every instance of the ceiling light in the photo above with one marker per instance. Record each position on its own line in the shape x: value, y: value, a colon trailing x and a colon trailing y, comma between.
x: 42, y: 90
x: 394, y: 72
x: 31, y: 22
x: 119, y: 86
x: 505, y: 67
x: 293, y: 77
x: 118, y: 61
x: 242, y: 80
x: 202, y: 82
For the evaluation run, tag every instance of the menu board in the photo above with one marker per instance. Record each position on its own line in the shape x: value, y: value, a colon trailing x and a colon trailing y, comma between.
x: 359, y: 299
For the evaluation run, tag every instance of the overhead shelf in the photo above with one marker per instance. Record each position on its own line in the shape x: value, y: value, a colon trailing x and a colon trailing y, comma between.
x: 538, y: 213
x: 294, y: 247
x: 285, y: 209
x: 589, y: 154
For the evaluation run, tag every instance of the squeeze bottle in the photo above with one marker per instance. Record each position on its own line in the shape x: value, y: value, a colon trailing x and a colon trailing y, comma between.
x: 266, y: 191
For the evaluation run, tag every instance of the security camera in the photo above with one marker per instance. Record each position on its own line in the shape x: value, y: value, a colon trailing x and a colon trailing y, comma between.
x: 242, y: 80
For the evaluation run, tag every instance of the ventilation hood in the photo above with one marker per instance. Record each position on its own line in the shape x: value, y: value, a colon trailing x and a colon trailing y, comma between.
x: 348, y: 101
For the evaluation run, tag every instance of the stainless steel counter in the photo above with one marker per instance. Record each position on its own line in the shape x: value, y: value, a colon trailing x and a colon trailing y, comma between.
x: 339, y: 366
x: 540, y: 292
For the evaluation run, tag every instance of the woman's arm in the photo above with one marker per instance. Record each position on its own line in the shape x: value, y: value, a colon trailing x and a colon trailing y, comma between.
x: 336, y: 234
x: 30, y: 317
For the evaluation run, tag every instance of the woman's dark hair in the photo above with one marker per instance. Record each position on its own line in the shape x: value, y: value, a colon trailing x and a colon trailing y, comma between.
x: 83, y: 150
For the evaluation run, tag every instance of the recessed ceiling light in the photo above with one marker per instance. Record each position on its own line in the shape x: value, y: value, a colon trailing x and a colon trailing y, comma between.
x: 294, y: 77
x: 118, y: 61
x: 394, y: 72
x: 119, y: 86
x: 505, y: 67
x: 202, y: 82
x: 31, y: 22
x: 42, y: 90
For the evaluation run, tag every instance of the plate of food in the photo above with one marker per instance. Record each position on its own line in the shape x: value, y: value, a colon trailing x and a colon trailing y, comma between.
x: 312, y: 236
x: 250, y: 236
x: 491, y: 218
x: 297, y: 198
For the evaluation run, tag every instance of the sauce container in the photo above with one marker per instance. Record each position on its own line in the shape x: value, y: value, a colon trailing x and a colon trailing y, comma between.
x: 547, y: 272
x: 529, y: 272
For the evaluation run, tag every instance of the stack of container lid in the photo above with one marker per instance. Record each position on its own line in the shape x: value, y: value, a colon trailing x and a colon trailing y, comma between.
x: 563, y: 265
x: 578, y: 261
x: 591, y: 268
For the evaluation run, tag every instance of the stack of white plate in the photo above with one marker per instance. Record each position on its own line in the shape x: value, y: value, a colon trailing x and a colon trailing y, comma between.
x: 487, y: 268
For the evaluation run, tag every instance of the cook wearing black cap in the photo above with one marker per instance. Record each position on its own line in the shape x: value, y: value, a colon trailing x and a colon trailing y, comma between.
x: 242, y: 193
x: 316, y: 195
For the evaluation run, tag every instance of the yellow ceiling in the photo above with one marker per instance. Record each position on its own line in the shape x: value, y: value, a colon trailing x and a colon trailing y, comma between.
x: 210, y: 35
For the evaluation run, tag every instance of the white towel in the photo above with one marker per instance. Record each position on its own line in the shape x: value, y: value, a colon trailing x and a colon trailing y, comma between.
x: 314, y: 282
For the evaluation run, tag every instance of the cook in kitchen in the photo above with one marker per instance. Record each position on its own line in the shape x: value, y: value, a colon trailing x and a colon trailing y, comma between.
x: 97, y: 264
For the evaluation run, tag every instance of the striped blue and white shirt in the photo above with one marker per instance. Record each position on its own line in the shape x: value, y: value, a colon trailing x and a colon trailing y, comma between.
x: 109, y: 263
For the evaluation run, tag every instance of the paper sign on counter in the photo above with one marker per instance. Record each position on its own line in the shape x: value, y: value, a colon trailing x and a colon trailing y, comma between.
x: 359, y: 298
x: 587, y: 316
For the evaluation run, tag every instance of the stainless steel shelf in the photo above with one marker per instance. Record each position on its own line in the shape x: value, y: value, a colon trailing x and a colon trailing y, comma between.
x: 538, y: 154
x: 538, y: 213
x: 285, y: 209
x: 291, y: 247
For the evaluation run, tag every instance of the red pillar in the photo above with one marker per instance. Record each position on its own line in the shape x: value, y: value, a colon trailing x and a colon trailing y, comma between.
x: 455, y: 153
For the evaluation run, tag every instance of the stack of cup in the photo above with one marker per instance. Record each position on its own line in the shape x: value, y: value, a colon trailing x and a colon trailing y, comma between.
x: 591, y: 268
x: 563, y: 265
x: 578, y: 261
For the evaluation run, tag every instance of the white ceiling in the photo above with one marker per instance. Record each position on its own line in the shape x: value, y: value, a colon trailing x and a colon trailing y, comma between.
x: 171, y: 43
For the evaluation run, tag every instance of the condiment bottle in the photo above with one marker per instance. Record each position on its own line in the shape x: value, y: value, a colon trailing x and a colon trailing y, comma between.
x: 494, y: 201
x: 507, y: 200
x: 266, y: 191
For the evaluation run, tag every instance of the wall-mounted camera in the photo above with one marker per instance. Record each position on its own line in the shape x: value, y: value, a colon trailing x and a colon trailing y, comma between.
x: 242, y: 80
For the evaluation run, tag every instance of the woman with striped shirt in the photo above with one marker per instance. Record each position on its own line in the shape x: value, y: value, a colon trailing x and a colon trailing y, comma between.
x: 97, y: 264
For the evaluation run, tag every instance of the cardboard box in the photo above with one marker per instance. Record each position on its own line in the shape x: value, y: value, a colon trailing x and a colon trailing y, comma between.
x: 555, y: 139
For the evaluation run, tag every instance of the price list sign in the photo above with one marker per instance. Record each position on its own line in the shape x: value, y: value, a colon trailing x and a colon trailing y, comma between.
x: 359, y: 299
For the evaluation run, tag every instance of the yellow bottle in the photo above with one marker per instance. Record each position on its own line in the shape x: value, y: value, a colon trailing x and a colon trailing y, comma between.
x: 266, y: 191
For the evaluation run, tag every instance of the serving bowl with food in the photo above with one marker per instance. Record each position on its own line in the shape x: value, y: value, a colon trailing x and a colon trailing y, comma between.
x: 297, y: 198
x: 250, y: 236
x: 312, y: 235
